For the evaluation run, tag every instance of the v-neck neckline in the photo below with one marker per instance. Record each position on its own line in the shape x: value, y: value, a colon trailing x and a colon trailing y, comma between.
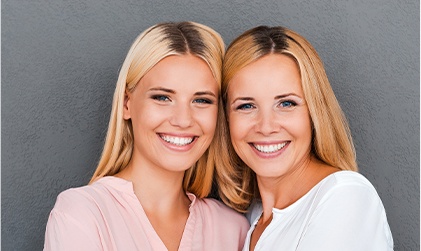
x: 187, y: 236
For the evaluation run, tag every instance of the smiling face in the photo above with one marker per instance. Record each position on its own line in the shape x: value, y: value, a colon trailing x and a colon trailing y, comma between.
x: 173, y: 111
x: 268, y: 117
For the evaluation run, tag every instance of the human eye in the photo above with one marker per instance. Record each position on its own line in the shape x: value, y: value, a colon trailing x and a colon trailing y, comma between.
x: 287, y: 104
x: 203, y: 101
x: 246, y: 106
x: 160, y: 98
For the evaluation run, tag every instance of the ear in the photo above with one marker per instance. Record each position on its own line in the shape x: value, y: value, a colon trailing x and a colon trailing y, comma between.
x: 126, y: 107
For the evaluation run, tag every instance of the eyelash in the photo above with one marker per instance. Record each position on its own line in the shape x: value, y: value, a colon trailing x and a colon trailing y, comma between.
x: 289, y: 103
x: 203, y: 101
x: 243, y: 106
x: 164, y: 98
x: 161, y: 98
x: 282, y: 104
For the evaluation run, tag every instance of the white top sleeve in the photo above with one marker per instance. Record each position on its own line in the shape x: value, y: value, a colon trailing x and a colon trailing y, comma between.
x: 348, y: 218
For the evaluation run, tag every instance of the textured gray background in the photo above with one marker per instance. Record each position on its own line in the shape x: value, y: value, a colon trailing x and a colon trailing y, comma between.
x: 60, y: 61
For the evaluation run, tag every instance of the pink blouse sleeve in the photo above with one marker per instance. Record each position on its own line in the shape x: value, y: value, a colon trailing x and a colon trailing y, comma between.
x: 71, y: 226
x: 64, y: 233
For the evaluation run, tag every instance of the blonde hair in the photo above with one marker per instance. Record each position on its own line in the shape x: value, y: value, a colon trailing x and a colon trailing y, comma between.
x: 331, y: 143
x: 150, y: 47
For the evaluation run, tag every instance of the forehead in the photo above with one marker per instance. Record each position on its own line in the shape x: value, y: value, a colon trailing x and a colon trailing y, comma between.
x: 177, y: 71
x: 273, y: 73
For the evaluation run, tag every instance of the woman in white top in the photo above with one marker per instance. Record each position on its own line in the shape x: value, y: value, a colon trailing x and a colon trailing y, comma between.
x: 290, y: 150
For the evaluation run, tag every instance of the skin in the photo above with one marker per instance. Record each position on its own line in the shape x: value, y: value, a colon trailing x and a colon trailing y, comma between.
x: 271, y: 131
x: 173, y: 111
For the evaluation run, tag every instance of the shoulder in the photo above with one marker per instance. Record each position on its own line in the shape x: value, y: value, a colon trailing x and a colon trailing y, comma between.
x: 68, y: 197
x: 347, y: 183
x: 351, y: 178
x: 213, y: 208
x: 75, y: 202
x: 348, y: 202
x: 72, y: 218
x: 77, y: 217
x: 347, y: 191
x: 85, y: 200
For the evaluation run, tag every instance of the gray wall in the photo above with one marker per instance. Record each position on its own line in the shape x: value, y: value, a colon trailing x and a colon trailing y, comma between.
x: 60, y: 61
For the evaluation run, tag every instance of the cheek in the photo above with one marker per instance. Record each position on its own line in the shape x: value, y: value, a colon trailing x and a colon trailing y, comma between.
x: 301, y: 127
x: 238, y: 128
x: 207, y: 119
x: 148, y: 116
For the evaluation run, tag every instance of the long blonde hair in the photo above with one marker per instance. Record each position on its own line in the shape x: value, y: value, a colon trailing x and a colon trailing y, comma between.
x: 331, y: 143
x: 150, y: 47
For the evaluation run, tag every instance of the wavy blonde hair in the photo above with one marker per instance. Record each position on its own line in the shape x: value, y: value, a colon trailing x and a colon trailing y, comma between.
x: 150, y: 47
x: 332, y: 141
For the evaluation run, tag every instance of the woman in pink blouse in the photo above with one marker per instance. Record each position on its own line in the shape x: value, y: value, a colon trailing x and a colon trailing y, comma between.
x: 157, y: 165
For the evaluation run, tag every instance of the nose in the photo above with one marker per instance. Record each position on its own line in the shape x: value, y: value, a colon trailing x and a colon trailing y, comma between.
x: 267, y: 123
x: 182, y: 116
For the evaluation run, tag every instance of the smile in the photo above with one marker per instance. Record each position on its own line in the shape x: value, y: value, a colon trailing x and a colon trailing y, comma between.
x: 269, y: 148
x: 178, y: 141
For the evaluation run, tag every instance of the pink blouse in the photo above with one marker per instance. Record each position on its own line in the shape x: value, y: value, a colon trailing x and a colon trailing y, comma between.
x: 108, y: 216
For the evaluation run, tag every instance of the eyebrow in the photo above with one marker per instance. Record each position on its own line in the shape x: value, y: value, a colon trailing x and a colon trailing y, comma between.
x: 242, y: 99
x: 205, y: 93
x: 286, y: 95
x: 200, y: 93
x: 275, y: 98
x: 162, y: 89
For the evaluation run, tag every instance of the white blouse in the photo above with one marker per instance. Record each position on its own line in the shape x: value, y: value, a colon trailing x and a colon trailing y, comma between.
x: 342, y: 212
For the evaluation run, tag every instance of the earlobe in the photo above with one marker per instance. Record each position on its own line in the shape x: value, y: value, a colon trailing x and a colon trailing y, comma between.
x: 126, y: 105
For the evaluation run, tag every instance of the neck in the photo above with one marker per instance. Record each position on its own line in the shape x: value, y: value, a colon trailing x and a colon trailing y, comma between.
x: 283, y: 191
x: 157, y: 189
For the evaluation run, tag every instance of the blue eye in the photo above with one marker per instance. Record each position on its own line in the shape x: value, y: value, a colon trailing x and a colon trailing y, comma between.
x: 160, y: 97
x: 287, y: 103
x: 203, y: 101
x: 245, y: 106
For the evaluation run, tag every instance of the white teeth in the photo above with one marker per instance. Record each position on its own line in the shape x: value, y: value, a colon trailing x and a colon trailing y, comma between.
x: 269, y: 148
x: 177, y: 140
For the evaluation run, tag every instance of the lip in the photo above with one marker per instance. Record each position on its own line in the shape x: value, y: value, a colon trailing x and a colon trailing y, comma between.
x: 273, y: 144
x: 176, y: 147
